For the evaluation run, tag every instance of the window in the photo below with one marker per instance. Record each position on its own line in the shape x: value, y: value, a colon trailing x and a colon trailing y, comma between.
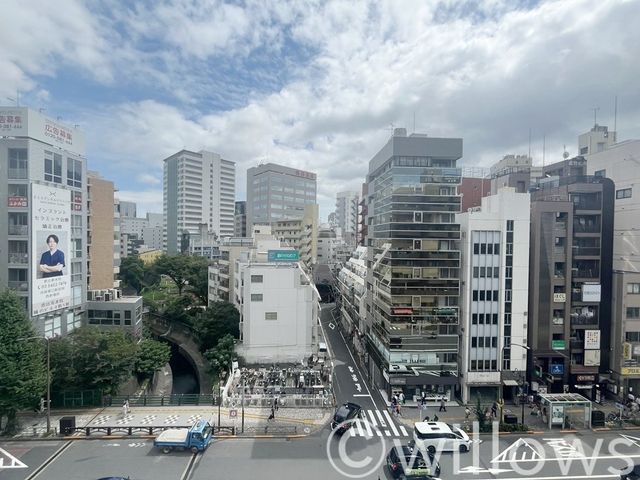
x: 482, y: 295
x: 600, y: 173
x: 633, y: 287
x: 74, y: 173
x: 496, y: 272
x: 256, y: 278
x: 256, y: 297
x: 476, y: 248
x: 18, y: 163
x: 475, y: 295
x: 270, y: 315
x: 474, y: 319
x: 481, y: 342
x: 510, y: 225
x: 633, y: 312
x: 52, y: 167
x: 483, y: 272
x: 494, y: 319
x: 495, y: 295
x: 76, y: 272
x: 474, y: 342
x: 475, y: 272
x: 632, y: 336
x: 474, y: 364
x: 490, y: 249
x: 483, y: 248
x: 496, y: 249
x: 624, y: 193
x: 481, y: 318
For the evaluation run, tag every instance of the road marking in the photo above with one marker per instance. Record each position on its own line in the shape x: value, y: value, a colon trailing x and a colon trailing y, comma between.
x: 331, y: 326
x: 477, y: 470
x: 562, y: 477
x: 404, y: 432
x: 634, y: 440
x: 361, y: 395
x: 359, y: 427
x: 367, y: 425
x: 9, y: 461
x: 391, y: 424
x: 381, y: 418
x: 509, y: 454
x: 373, y: 418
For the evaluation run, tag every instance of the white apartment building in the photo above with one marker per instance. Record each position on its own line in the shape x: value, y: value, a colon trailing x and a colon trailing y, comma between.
x: 198, y: 188
x: 621, y: 163
x: 300, y: 234
x: 278, y: 304
x: 351, y: 283
x: 494, y: 296
x: 347, y: 204
x: 43, y: 184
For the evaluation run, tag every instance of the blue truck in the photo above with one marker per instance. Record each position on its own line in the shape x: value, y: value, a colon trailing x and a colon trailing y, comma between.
x: 196, y: 438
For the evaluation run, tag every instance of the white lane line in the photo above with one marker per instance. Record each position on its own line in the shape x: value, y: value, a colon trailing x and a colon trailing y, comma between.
x: 382, y: 422
x: 367, y: 425
x: 404, y: 432
x: 387, y: 433
x: 352, y: 432
x: 359, y: 427
x: 391, y: 424
x: 361, y: 395
x: 373, y: 418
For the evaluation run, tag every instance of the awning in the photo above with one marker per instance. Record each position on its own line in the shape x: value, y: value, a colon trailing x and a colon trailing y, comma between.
x: 510, y: 383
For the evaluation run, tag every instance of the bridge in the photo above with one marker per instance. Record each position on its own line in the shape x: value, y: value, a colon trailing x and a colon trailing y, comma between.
x: 182, y: 336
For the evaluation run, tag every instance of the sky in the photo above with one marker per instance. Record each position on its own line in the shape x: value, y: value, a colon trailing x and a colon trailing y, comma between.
x: 319, y: 85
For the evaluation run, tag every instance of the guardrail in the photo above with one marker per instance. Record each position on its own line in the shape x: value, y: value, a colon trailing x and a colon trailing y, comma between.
x: 271, y: 430
x: 145, y: 430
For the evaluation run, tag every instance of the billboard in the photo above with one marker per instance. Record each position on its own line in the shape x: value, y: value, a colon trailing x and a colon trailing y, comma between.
x: 591, y: 358
x: 50, y: 253
x: 592, y: 339
x: 591, y: 292
x: 283, y: 256
x: 22, y: 122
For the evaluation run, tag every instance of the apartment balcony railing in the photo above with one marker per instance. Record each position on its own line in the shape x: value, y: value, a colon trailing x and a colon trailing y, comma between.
x: 18, y: 173
x: 593, y: 228
x: 18, y: 230
x: 19, y: 286
x: 586, y: 273
x: 21, y: 258
x: 586, y: 251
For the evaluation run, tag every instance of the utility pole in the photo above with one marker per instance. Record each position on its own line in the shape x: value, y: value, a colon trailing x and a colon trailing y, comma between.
x: 242, y: 376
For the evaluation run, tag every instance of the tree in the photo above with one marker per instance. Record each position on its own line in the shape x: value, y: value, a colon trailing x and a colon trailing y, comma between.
x: 23, y: 375
x: 221, y: 356
x: 132, y: 272
x: 218, y: 320
x: 152, y: 355
x: 198, y: 278
x: 176, y: 267
x: 93, y: 358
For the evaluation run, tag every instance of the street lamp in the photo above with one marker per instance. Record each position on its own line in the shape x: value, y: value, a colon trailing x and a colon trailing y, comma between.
x: 46, y: 339
x: 511, y: 344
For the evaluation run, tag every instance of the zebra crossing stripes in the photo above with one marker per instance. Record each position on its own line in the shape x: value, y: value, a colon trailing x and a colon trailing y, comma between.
x: 377, y: 423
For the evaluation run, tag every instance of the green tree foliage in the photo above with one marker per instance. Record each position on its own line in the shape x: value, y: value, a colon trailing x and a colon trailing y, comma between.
x: 221, y: 356
x: 152, y: 355
x: 132, y: 272
x: 93, y: 358
x: 189, y: 273
x: 23, y: 375
x: 218, y: 320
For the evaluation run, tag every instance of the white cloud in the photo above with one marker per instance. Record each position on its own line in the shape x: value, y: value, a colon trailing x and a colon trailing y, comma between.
x: 148, y: 179
x: 146, y: 200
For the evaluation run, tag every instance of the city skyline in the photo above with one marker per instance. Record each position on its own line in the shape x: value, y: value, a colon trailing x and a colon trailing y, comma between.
x: 318, y: 87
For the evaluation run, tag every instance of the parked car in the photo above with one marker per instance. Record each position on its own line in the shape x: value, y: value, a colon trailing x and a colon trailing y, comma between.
x: 439, y: 436
x: 345, y: 416
x: 634, y: 474
x: 407, y: 462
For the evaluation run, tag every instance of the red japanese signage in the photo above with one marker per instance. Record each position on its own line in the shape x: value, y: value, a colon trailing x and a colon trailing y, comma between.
x: 17, y: 201
x: 402, y: 311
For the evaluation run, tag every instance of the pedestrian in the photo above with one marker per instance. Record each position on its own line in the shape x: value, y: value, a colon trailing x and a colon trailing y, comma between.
x: 467, y: 413
x: 494, y: 410
x: 443, y: 405
x: 544, y: 414
x: 436, y: 418
x: 402, y: 398
x: 398, y: 410
x: 423, y: 401
x: 394, y: 399
x: 125, y: 408
x: 426, y: 418
x: 275, y: 403
x: 272, y: 416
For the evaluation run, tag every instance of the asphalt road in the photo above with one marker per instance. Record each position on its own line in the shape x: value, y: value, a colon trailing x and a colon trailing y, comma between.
x: 545, y: 457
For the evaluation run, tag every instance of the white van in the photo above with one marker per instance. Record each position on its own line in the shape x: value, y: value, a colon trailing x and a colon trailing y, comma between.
x: 439, y: 436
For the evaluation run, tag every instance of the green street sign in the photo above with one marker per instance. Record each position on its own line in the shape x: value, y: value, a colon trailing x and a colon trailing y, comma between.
x: 557, y: 344
x: 283, y: 256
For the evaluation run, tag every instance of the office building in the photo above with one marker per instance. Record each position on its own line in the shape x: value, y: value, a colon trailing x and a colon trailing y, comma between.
x: 347, y: 215
x: 276, y: 192
x: 43, y: 232
x: 596, y: 140
x: 198, y: 188
x: 103, y: 247
x: 240, y: 220
x: 413, y: 263
x: 620, y: 162
x: 515, y: 171
x: 222, y: 271
x: 570, y: 287
x: 108, y: 310
x: 128, y: 209
x: 494, y: 297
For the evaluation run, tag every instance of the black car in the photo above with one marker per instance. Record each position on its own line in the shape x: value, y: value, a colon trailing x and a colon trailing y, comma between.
x: 407, y: 462
x: 344, y: 413
x: 634, y: 474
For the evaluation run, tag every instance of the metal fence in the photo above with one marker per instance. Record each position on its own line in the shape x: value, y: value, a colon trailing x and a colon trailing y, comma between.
x: 163, y: 400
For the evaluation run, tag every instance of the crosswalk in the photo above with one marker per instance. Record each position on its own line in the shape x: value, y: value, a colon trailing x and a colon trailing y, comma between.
x: 377, y: 423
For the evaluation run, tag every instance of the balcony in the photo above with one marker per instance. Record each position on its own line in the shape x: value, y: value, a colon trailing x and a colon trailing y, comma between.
x: 589, y: 228
x: 19, y: 258
x: 586, y: 251
x: 18, y: 229
x: 19, y: 286
x: 18, y: 173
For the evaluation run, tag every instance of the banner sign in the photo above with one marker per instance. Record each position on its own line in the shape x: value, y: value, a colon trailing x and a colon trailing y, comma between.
x: 283, y: 256
x: 592, y: 339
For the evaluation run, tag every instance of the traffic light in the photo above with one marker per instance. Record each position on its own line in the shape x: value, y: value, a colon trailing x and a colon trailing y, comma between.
x: 537, y: 371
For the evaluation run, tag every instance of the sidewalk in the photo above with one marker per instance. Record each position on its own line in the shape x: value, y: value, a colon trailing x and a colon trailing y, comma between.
x: 306, y: 420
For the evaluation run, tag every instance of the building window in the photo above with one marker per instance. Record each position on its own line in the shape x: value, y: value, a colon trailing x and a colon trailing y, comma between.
x: 270, y: 315
x: 256, y: 278
x: 74, y: 173
x: 52, y: 167
x: 632, y: 336
x: 475, y: 295
x: 624, y: 193
x: 600, y: 173
x: 633, y: 312
x: 256, y: 297
x: 476, y: 248
x: 474, y: 342
x: 76, y: 272
x: 475, y: 272
x: 474, y: 318
x: 18, y: 163
x: 633, y: 287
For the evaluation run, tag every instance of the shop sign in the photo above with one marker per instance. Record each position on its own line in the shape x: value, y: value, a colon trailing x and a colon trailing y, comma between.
x: 592, y: 339
x: 591, y: 292
x: 557, y: 344
x: 591, y: 358
x: 283, y: 256
x: 398, y: 381
x: 402, y: 311
x: 636, y: 349
x: 557, y: 369
x: 559, y: 297
x: 626, y: 351
x: 586, y: 378
x: 17, y: 201
x: 630, y: 371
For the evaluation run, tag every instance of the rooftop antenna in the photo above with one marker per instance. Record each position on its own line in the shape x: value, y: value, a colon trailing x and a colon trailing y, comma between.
x: 565, y: 154
x: 595, y: 116
x: 615, y: 120
x: 530, y: 145
x: 17, y: 99
x: 414, y: 122
x: 544, y: 139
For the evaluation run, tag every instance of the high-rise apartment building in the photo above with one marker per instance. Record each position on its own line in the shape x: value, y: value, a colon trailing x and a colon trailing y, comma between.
x: 103, y: 246
x: 275, y: 192
x: 43, y: 231
x: 300, y: 234
x: 413, y: 265
x: 347, y: 215
x: 494, y: 297
x: 199, y: 188
x: 570, y: 282
x: 128, y: 209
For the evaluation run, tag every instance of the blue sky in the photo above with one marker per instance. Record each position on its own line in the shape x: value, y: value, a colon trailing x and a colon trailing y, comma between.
x: 318, y: 85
